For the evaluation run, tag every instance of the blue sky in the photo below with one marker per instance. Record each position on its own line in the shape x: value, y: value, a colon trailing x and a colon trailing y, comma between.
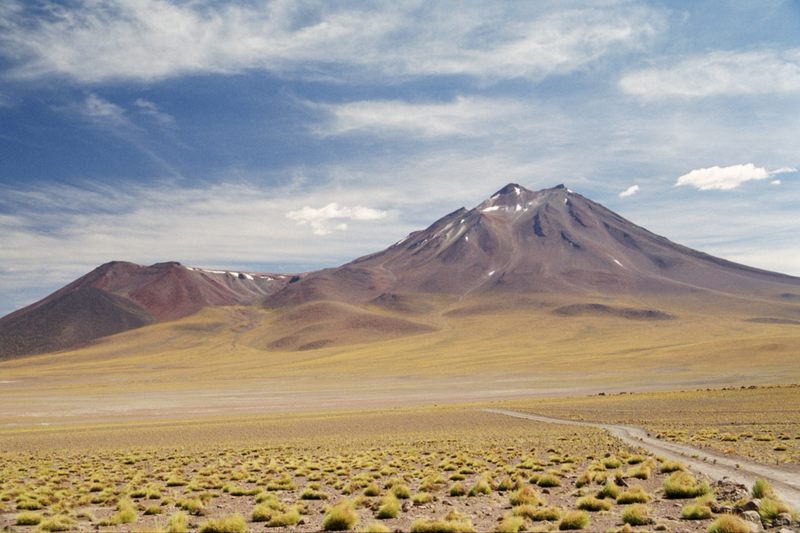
x: 292, y: 135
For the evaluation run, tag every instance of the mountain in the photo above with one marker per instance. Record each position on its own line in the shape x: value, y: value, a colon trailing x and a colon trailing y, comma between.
x: 551, y: 251
x: 519, y: 241
x: 119, y: 296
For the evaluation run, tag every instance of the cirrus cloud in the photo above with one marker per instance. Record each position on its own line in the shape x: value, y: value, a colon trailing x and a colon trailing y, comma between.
x: 92, y: 41
x: 719, y: 73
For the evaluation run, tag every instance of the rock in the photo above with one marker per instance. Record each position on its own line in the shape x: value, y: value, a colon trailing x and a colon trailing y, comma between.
x: 754, y: 518
x: 783, y: 519
x: 718, y: 508
x: 785, y: 530
x: 406, y: 506
x: 750, y: 505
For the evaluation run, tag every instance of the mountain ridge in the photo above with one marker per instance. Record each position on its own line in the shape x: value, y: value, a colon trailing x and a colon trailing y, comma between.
x: 516, y: 242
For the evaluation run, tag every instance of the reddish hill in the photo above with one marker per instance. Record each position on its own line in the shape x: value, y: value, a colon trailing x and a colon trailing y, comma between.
x: 518, y: 241
x: 119, y: 296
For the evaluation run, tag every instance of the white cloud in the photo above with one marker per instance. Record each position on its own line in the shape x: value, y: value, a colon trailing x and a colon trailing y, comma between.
x: 722, y: 178
x: 150, y: 109
x: 783, y: 170
x: 630, y: 191
x: 464, y: 116
x: 775, y: 182
x: 325, y: 220
x: 100, y: 40
x: 719, y: 73
x: 100, y: 110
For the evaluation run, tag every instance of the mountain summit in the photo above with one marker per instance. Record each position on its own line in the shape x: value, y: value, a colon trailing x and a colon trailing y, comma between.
x: 517, y: 240
x: 550, y: 242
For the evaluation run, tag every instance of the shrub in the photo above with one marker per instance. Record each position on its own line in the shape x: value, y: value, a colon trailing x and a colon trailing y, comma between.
x: 537, y: 514
x: 390, y: 507
x: 695, y: 511
x: 523, y: 496
x: 234, y: 523
x: 548, y: 480
x: 401, y: 491
x: 340, y: 517
x: 152, y: 510
x: 372, y: 490
x: 633, y: 495
x: 28, y: 518
x: 770, y: 508
x: 377, y: 527
x: 684, y: 485
x: 289, y: 518
x: 313, y: 494
x: 610, y: 463
x: 261, y: 513
x: 191, y: 505
x: 421, y: 498
x: 610, y: 490
x: 639, y: 472
x: 574, y: 520
x: 457, y: 489
x: 511, y: 524
x: 636, y: 515
x: 425, y: 525
x: 57, y: 523
x: 667, y: 467
x: 480, y: 487
x: 729, y: 524
x: 126, y: 514
x: 762, y: 489
x: 178, y: 523
x: 590, y: 503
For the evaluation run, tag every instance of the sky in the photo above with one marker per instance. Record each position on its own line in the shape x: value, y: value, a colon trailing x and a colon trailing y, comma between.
x: 293, y: 135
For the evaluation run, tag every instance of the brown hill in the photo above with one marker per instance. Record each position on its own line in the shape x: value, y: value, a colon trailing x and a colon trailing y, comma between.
x: 119, y: 296
x: 519, y: 241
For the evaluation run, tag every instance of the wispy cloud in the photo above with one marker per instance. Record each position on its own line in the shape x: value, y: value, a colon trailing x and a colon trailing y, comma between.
x: 719, y: 73
x: 630, y: 191
x: 151, y: 110
x: 332, y: 217
x: 463, y: 116
x: 145, y: 40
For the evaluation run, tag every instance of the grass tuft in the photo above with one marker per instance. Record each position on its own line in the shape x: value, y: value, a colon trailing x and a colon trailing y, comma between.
x: 340, y: 517
x: 636, y: 515
x: 28, y: 518
x: 683, y: 485
x: 729, y: 524
x: 574, y: 520
x: 234, y: 523
x: 695, y: 511
x: 590, y: 503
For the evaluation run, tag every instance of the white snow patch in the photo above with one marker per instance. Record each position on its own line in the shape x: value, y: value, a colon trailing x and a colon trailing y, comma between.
x: 516, y: 190
x: 566, y: 200
x: 492, y: 208
x: 494, y: 197
x: 466, y: 238
x: 462, y: 221
x: 569, y: 191
x: 518, y: 208
x: 620, y: 264
x: 248, y: 276
x: 491, y: 273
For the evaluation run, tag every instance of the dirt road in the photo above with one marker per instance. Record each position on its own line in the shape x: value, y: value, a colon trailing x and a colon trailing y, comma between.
x: 715, y: 466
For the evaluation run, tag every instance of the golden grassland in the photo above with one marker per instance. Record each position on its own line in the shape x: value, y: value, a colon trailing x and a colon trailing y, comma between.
x: 759, y: 423
x: 434, y: 469
x: 226, y: 360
